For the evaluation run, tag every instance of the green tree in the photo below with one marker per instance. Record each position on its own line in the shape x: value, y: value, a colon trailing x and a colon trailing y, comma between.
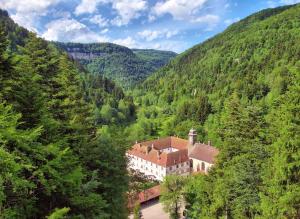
x: 137, y: 211
x: 59, y: 213
x: 172, y: 195
x: 281, y: 179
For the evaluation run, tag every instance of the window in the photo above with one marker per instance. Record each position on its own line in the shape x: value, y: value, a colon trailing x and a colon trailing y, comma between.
x: 203, y: 166
x: 198, y: 167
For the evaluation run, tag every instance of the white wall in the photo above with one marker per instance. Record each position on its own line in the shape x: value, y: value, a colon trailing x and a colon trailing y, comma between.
x: 159, y: 172
x: 197, y: 162
x: 147, y: 167
x: 179, y: 169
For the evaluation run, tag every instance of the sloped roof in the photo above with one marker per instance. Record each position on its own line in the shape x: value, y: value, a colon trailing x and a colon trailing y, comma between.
x: 167, y: 142
x: 204, y: 152
x: 149, y: 151
x: 149, y: 194
x: 145, y: 196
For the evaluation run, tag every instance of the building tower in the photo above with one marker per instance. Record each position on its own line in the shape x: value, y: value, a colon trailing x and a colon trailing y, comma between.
x: 192, y: 139
x: 192, y: 136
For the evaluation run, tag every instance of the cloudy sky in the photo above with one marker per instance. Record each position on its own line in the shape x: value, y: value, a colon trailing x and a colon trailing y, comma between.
x: 160, y: 24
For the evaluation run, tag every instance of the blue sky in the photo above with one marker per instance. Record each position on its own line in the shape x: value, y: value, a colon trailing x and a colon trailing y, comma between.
x: 174, y: 25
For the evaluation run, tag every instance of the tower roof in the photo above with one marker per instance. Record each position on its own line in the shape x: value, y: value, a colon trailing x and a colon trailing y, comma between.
x: 193, y: 132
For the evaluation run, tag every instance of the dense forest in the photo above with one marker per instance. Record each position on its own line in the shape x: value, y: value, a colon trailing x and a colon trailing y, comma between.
x: 64, y: 128
x: 127, y: 67
x: 241, y: 90
x: 60, y: 132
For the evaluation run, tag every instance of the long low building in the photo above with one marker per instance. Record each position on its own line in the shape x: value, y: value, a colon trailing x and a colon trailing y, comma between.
x: 171, y: 155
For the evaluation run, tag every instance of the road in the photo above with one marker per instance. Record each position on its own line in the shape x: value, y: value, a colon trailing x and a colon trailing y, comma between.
x: 153, y: 210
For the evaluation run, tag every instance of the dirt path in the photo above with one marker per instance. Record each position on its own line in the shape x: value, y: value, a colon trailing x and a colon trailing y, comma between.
x: 153, y: 210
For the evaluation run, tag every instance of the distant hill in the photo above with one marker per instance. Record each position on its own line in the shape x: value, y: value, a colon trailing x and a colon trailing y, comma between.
x: 125, y: 66
x: 253, y: 57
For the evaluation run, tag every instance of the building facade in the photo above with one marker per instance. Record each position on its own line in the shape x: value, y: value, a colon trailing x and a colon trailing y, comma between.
x: 171, y: 155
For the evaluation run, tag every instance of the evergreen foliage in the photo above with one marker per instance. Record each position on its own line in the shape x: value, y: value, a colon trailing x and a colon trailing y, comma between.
x: 239, y: 89
x: 63, y: 137
x: 56, y: 161
x: 127, y: 67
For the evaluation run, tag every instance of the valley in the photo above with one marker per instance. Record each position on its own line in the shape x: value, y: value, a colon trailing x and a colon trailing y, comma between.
x: 86, y: 129
x: 126, y: 67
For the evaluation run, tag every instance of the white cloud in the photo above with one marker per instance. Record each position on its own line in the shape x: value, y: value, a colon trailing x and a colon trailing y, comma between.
x: 70, y: 30
x: 175, y: 46
x: 128, y: 42
x: 151, y: 18
x: 28, y: 6
x: 231, y: 21
x: 88, y: 6
x: 150, y: 35
x: 273, y: 3
x: 179, y: 9
x: 209, y: 19
x: 126, y: 9
x: 99, y: 20
x: 167, y: 45
x: 104, y: 31
x: 25, y: 20
x: 27, y: 12
x: 289, y: 2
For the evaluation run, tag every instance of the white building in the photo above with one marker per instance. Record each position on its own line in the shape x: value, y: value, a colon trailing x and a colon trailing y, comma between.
x: 171, y: 155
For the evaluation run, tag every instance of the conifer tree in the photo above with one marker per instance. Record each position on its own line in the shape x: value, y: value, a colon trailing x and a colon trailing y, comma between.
x: 281, y: 181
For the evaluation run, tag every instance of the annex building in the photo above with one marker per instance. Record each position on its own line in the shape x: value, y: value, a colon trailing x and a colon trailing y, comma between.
x: 171, y: 155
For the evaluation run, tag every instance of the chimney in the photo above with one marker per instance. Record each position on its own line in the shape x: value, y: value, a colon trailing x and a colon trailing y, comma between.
x: 158, y: 154
x: 148, y: 149
x: 152, y: 146
x: 136, y: 141
x: 209, y: 143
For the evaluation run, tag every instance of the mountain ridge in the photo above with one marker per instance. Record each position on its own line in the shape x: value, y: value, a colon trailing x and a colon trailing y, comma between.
x: 127, y: 67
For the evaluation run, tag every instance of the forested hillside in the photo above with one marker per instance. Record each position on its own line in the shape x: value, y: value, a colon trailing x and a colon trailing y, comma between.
x: 64, y: 130
x: 124, y: 66
x: 60, y: 131
x: 239, y: 89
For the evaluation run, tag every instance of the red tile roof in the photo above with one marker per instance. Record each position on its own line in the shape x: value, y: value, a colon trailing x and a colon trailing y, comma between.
x: 204, y: 152
x: 149, y: 194
x: 145, y: 196
x: 167, y: 142
x: 149, y: 151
